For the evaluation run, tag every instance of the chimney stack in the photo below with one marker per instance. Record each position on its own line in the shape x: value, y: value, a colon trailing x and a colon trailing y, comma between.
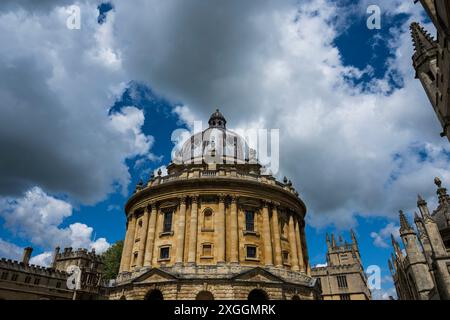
x: 27, y: 255
x: 55, y: 255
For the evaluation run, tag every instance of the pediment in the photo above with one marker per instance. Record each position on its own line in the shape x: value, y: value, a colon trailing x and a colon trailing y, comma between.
x: 154, y: 275
x: 258, y: 275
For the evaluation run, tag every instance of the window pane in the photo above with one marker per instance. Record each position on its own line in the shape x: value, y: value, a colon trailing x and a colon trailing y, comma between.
x: 164, y: 253
x: 249, y: 221
x: 251, y: 252
x: 168, y: 222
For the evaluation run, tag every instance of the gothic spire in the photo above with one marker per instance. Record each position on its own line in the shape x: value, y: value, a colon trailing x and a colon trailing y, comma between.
x: 353, y: 235
x: 422, y: 40
x: 405, y: 227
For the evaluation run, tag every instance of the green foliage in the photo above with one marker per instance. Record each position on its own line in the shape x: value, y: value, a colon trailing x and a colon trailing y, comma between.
x: 111, y: 258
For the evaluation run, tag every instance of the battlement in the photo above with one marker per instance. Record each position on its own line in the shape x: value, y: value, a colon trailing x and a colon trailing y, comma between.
x: 17, y: 266
x: 80, y: 253
x: 337, y: 269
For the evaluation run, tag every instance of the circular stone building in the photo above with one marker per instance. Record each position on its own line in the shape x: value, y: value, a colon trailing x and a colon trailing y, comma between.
x: 215, y: 227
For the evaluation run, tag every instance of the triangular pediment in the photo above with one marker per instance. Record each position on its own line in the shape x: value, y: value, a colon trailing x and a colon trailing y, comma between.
x: 154, y: 275
x: 258, y: 275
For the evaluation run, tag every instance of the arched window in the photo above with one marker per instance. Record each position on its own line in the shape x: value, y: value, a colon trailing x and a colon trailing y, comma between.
x: 257, y: 294
x: 154, y: 295
x: 208, y: 224
x: 296, y: 297
x: 204, y: 295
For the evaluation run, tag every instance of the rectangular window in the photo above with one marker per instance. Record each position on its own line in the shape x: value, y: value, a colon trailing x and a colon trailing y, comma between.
x: 27, y: 279
x: 342, y: 281
x: 168, y: 221
x: 164, y: 253
x: 14, y: 277
x: 4, y: 275
x: 249, y: 221
x: 58, y: 285
x: 36, y: 281
x: 207, y: 250
x: 345, y: 297
x: 251, y: 252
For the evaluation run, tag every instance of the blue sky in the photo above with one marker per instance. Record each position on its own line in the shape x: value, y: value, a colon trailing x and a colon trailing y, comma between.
x: 359, y: 139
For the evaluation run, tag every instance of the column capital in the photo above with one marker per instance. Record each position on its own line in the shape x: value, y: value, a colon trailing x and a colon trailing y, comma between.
x: 195, y: 197
x: 266, y: 203
x: 153, y: 204
x: 234, y: 198
x: 182, y: 198
x: 222, y: 197
x: 276, y: 205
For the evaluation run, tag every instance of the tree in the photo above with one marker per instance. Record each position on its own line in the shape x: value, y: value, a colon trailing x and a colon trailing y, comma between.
x: 111, y: 259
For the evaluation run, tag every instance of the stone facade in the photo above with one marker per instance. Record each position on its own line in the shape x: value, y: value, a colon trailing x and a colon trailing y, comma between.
x: 343, y: 277
x: 422, y: 271
x: 215, y: 227
x: 22, y: 281
x: 431, y: 59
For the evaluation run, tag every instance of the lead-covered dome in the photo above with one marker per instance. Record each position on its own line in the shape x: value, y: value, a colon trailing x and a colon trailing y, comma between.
x: 215, y: 145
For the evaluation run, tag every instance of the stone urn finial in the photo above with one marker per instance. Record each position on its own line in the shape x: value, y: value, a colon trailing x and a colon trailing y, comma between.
x: 438, y: 182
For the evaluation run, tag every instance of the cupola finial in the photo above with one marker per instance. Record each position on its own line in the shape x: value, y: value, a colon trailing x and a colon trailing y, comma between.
x: 217, y: 120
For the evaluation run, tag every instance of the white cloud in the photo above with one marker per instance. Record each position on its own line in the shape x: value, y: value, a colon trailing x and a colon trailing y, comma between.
x: 43, y: 259
x: 37, y: 217
x: 9, y: 250
x: 382, y: 238
x: 56, y: 87
x: 384, y: 294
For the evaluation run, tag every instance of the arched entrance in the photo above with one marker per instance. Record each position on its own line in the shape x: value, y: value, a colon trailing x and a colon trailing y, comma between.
x: 257, y: 294
x: 154, y: 295
x: 123, y: 298
x: 204, y: 295
x: 296, y: 297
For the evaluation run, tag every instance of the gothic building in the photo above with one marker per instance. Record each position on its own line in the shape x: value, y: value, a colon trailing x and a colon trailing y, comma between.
x: 343, y: 277
x: 20, y: 280
x: 422, y: 270
x: 431, y: 59
x: 215, y: 227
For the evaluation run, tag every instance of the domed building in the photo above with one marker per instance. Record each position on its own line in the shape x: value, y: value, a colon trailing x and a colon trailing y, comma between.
x: 215, y: 227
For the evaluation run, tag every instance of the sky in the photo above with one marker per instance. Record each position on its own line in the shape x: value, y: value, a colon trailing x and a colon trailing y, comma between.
x: 86, y: 113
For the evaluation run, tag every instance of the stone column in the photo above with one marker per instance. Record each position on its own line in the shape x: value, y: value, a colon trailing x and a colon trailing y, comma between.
x: 266, y: 235
x: 305, y: 249
x: 301, y: 260
x: 151, y: 236
x: 276, y: 237
x: 293, y: 244
x: 181, y: 231
x: 234, y: 236
x: 128, y: 244
x: 234, y: 249
x: 220, y: 230
x: 192, y: 254
x: 143, y: 237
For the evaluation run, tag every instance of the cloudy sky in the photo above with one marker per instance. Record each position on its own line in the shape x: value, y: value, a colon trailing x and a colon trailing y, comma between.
x: 85, y: 113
